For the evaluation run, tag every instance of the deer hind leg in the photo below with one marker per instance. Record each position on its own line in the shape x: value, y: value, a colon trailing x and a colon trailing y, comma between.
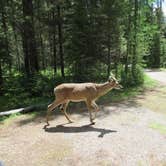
x: 51, y: 107
x: 90, y: 108
x: 63, y: 109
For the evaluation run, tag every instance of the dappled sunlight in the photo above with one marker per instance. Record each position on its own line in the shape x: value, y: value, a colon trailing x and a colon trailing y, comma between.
x: 155, y: 100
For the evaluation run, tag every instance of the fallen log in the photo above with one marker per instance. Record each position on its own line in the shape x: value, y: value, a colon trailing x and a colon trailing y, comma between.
x: 24, y: 110
x: 11, y: 112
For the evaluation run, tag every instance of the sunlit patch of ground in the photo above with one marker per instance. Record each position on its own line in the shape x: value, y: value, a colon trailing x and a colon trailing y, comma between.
x: 155, y: 100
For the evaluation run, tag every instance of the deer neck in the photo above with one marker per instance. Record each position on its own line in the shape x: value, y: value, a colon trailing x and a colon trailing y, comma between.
x: 103, y: 88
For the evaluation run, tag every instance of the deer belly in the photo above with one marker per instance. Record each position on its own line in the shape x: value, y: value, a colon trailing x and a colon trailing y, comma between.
x: 77, y: 100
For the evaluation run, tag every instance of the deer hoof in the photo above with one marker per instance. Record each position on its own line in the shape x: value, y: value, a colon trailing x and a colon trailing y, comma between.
x: 45, y: 126
x: 92, y: 123
x: 47, y: 123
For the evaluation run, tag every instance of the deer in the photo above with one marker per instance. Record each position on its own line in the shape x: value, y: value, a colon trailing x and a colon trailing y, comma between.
x: 76, y: 92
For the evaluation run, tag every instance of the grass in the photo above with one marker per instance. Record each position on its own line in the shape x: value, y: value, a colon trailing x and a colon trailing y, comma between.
x: 149, y: 82
x: 163, y: 69
x: 159, y: 127
x: 5, y: 120
x: 8, y: 119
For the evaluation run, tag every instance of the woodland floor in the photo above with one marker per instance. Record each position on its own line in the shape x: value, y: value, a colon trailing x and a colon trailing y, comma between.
x: 129, y: 133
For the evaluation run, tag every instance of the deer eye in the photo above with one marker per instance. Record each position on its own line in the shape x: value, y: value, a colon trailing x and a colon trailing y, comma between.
x: 113, y: 81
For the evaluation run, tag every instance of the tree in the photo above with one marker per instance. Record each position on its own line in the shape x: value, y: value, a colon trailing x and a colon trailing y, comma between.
x: 60, y: 39
x: 28, y: 39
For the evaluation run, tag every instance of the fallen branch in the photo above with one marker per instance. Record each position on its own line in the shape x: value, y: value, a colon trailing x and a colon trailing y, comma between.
x: 24, y: 110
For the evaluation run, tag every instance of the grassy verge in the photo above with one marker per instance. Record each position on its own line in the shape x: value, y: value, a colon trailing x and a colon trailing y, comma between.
x: 149, y: 82
x: 163, y: 69
x: 7, y: 119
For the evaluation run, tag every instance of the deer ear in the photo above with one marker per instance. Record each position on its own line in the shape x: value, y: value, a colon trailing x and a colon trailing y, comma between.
x: 112, y: 75
x: 109, y: 79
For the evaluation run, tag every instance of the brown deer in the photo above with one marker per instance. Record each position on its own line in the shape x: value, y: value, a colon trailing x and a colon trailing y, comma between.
x: 76, y: 92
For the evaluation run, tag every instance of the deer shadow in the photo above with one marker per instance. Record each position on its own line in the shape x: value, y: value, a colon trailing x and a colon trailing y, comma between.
x: 72, y: 129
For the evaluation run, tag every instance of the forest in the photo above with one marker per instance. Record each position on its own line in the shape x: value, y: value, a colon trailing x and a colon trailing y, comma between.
x: 45, y: 43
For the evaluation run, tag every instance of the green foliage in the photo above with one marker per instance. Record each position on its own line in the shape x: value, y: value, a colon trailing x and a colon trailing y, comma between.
x: 154, y: 58
x: 128, y: 79
x: 21, y: 91
x: 7, y: 119
x: 86, y: 39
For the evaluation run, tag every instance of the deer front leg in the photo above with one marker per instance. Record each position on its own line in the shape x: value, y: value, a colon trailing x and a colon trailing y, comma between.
x: 90, y: 108
x: 63, y: 109
x: 96, y: 106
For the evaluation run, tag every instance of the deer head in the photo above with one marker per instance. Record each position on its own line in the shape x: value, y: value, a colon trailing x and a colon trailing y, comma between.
x: 114, y: 82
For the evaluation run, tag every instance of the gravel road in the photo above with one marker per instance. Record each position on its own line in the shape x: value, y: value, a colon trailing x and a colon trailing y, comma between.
x: 125, y: 134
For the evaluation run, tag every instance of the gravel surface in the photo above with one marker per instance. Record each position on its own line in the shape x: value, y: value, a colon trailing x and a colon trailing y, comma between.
x: 158, y: 75
x: 122, y: 136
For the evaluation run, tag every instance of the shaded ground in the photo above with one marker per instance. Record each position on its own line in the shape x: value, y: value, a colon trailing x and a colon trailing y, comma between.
x: 126, y: 133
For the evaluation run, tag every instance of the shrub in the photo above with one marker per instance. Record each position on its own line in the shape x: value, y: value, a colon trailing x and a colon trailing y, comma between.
x: 133, y: 78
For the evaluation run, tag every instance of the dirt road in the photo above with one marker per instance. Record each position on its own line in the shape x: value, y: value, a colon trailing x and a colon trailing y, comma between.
x: 157, y: 75
x: 125, y: 134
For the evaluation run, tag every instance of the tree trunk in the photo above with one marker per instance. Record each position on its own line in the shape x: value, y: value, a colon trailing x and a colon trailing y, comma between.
x: 108, y: 61
x: 40, y: 45
x: 28, y: 37
x: 1, y: 79
x: 42, y: 51
x: 60, y: 36
x: 54, y: 44
x: 134, y: 58
x: 16, y: 39
x: 109, y: 49
x: 128, y: 43
x: 5, y: 30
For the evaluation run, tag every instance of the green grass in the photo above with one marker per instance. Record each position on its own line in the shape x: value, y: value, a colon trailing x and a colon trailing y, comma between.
x: 149, y: 82
x: 7, y: 119
x: 163, y: 69
x: 159, y: 127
